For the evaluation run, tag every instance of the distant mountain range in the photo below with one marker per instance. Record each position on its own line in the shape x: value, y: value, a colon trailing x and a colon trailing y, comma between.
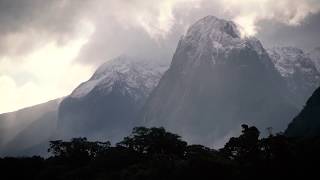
x: 216, y: 81
x: 298, y: 70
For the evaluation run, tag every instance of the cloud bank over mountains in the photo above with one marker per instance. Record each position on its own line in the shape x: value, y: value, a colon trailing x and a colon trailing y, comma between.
x: 48, y: 47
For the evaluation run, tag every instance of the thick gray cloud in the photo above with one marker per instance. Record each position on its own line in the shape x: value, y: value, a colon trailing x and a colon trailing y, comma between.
x: 33, y: 22
x: 124, y: 27
x: 305, y: 36
x: 143, y: 27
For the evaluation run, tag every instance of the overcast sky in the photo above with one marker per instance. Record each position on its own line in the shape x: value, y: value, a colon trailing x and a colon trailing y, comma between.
x: 48, y: 47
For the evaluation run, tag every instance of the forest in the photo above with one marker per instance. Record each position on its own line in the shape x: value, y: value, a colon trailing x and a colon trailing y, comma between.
x: 156, y: 154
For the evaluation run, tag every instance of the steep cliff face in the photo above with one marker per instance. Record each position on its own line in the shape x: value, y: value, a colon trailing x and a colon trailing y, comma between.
x: 315, y: 57
x: 218, y: 80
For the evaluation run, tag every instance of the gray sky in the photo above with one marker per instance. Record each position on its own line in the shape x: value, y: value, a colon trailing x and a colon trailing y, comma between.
x: 305, y: 36
x: 48, y: 47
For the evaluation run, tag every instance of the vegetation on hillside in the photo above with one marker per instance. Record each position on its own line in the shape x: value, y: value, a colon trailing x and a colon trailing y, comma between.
x: 155, y: 154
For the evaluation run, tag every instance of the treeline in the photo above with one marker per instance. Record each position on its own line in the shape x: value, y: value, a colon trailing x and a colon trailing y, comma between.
x: 154, y: 154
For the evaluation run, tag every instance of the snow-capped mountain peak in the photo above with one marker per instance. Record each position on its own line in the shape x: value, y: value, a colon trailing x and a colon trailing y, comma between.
x: 216, y: 80
x: 104, y: 107
x: 213, y: 32
x: 217, y: 37
x: 136, y: 73
x: 217, y: 30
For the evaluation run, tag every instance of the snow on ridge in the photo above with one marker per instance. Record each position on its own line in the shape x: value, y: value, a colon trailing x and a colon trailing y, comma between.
x: 290, y: 59
x: 298, y: 71
x: 214, y: 27
x: 217, y: 36
x: 315, y: 57
x: 136, y: 73
x: 220, y: 33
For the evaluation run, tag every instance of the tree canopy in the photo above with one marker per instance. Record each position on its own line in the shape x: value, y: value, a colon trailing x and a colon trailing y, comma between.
x: 153, y: 153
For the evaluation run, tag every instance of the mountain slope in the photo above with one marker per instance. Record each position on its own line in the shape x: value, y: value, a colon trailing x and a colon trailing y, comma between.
x: 307, y: 123
x: 315, y: 57
x: 106, y: 105
x: 298, y: 70
x: 218, y: 80
x: 28, y: 127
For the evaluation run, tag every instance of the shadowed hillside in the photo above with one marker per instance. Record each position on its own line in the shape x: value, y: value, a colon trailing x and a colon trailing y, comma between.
x: 307, y: 123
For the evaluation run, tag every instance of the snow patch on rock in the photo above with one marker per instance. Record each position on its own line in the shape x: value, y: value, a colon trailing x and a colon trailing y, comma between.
x: 134, y: 73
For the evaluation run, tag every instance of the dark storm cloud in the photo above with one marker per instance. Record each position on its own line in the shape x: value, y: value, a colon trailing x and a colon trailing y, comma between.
x: 118, y: 32
x: 305, y: 36
x: 128, y: 35
x: 129, y: 27
x: 47, y: 19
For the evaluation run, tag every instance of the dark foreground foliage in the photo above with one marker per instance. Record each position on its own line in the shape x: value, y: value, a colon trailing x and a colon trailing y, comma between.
x: 154, y: 154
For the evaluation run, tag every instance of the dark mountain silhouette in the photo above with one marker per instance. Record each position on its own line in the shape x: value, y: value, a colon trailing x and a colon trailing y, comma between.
x: 307, y: 123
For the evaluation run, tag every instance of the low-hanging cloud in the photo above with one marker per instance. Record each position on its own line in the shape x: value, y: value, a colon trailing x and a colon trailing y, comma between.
x: 30, y: 23
x: 248, y: 13
x: 155, y: 26
x: 158, y: 17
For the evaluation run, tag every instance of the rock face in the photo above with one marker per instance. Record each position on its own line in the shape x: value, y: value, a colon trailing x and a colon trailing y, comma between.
x: 298, y: 70
x: 307, y: 123
x: 105, y: 106
x: 23, y: 130
x: 315, y: 57
x: 218, y: 80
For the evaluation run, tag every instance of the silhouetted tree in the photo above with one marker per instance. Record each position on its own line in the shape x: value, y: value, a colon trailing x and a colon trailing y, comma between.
x: 154, y: 153
x: 154, y: 141
x: 77, y: 148
x: 245, y: 147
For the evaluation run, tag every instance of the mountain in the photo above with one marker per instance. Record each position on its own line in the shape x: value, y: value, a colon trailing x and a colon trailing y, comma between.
x: 218, y: 80
x: 315, y: 57
x: 307, y: 123
x: 24, y: 129
x: 106, y: 105
x: 298, y: 70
